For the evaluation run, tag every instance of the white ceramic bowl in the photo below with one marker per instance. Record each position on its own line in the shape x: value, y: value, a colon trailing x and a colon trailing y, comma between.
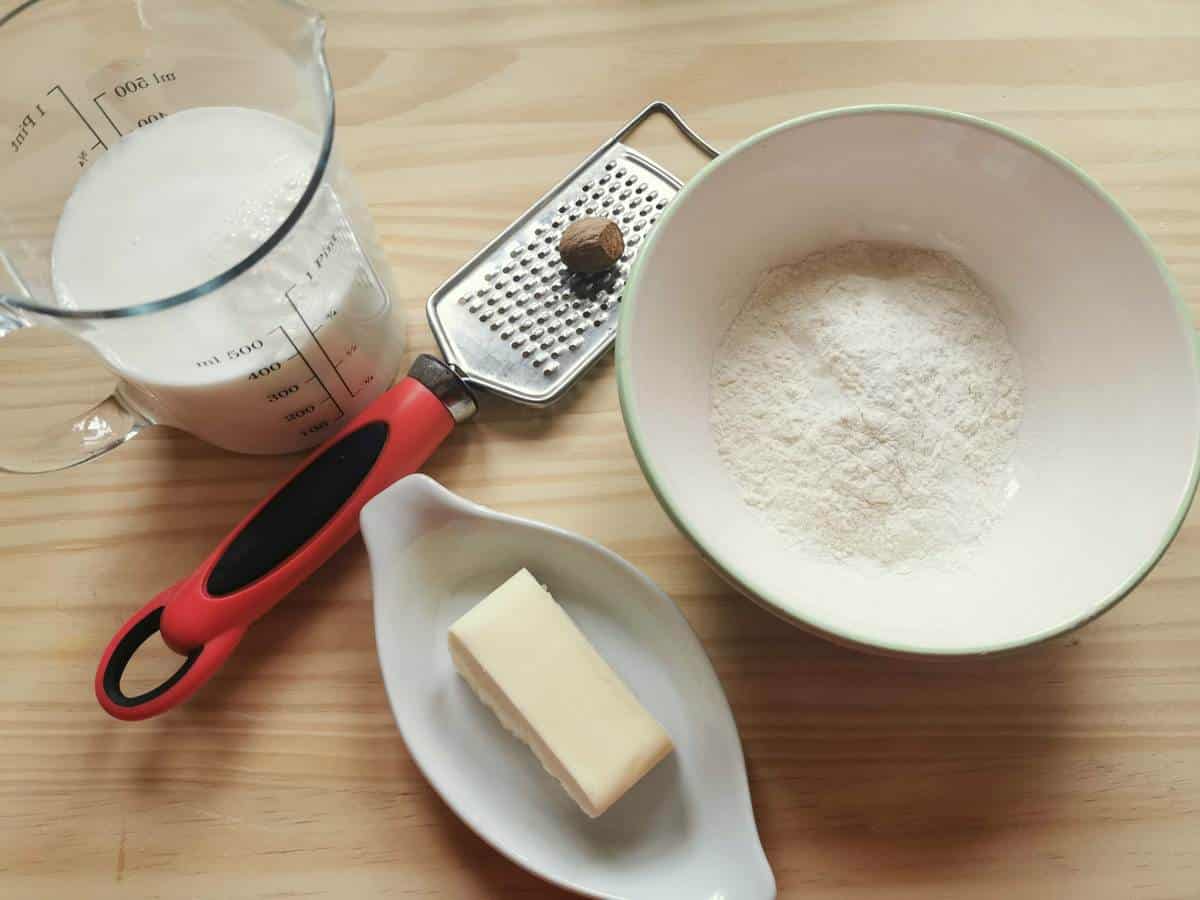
x: 1107, y: 453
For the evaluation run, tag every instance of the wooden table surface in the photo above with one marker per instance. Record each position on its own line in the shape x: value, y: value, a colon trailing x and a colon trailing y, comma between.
x: 1070, y: 771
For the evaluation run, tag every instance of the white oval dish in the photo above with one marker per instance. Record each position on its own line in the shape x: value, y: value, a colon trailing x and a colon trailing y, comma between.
x: 686, y: 830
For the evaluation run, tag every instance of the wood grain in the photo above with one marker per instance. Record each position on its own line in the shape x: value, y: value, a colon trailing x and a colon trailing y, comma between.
x: 1071, y: 771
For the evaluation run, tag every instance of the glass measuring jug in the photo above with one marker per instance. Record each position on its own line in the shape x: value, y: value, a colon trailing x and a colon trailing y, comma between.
x: 171, y: 197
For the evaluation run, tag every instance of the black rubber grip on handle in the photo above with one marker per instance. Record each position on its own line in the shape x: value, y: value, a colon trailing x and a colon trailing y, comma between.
x: 298, y: 511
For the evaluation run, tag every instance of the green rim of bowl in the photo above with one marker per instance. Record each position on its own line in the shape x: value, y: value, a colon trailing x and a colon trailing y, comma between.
x: 745, y: 581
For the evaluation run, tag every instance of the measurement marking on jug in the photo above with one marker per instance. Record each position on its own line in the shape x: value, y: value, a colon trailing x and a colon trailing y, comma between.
x: 288, y: 295
x: 304, y: 359
x: 301, y: 412
x: 140, y: 83
x: 104, y: 112
x: 283, y: 392
x: 235, y: 353
x: 28, y: 122
x: 257, y: 373
x: 82, y: 118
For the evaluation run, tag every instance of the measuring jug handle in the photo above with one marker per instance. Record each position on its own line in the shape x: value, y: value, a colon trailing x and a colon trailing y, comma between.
x: 107, y: 425
x: 287, y: 537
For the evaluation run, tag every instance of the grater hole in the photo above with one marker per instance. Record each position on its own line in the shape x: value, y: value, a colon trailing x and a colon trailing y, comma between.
x: 661, y: 204
x: 620, y: 173
x: 596, y: 195
x: 617, y: 210
x: 475, y: 307
x: 538, y: 229
x: 638, y: 226
x: 573, y: 216
x: 624, y: 195
x: 556, y: 222
x: 506, y: 333
x: 541, y: 254
x: 587, y: 185
x: 609, y: 166
x: 634, y: 238
x: 652, y: 195
x: 630, y: 182
x: 640, y: 188
x: 590, y: 210
x: 562, y: 208
x: 604, y: 179
x: 527, y: 352
x: 627, y: 218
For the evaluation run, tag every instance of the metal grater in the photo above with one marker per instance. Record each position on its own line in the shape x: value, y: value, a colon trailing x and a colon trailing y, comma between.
x: 513, y: 320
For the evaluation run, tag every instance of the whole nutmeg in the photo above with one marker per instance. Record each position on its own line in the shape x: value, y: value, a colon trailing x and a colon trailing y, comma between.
x: 591, y: 245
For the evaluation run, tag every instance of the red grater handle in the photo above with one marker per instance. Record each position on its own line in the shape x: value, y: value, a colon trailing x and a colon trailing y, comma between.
x: 286, y: 538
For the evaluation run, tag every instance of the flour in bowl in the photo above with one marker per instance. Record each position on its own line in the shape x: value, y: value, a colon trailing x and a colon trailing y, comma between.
x: 866, y: 400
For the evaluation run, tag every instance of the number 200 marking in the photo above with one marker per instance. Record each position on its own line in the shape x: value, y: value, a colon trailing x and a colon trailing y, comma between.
x: 300, y: 413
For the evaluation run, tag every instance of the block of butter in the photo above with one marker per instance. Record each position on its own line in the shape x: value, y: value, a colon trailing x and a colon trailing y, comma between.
x: 525, y: 658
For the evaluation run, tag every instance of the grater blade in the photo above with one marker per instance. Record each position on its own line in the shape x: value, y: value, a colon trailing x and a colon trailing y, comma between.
x: 513, y: 320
